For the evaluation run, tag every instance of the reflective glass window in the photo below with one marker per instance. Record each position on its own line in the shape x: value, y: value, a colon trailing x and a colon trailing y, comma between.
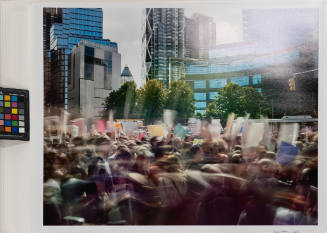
x: 242, y: 81
x: 256, y: 79
x: 200, y: 104
x: 200, y: 96
x: 217, y: 83
x: 212, y: 95
x: 199, y: 84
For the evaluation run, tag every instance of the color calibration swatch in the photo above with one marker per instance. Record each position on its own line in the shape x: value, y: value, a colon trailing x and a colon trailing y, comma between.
x: 14, y: 114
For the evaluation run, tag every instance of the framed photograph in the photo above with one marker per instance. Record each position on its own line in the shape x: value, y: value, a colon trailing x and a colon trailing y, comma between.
x: 173, y: 116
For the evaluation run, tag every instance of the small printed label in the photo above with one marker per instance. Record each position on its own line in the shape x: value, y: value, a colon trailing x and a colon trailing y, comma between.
x: 286, y: 232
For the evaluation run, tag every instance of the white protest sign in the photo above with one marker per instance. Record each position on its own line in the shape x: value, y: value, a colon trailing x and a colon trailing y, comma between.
x: 254, y: 134
x: 288, y: 132
x: 215, y: 128
x: 169, y: 117
x: 229, y: 125
x: 268, y: 133
x: 129, y: 126
x: 194, y: 126
x: 74, y: 130
x: 237, y: 126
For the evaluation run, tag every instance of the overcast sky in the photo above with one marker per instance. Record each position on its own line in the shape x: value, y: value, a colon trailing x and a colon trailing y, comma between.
x: 124, y: 26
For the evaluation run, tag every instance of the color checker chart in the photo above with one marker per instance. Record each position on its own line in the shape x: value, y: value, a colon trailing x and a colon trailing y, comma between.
x: 14, y: 114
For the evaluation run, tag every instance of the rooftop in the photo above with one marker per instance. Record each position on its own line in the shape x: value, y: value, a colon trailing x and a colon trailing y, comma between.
x: 126, y: 72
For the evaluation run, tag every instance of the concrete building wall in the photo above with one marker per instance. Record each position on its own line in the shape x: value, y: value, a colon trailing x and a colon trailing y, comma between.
x: 87, y: 96
x: 116, y: 69
x: 98, y: 76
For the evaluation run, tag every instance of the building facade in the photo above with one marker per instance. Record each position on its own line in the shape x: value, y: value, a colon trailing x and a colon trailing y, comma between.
x: 164, y: 44
x: 95, y: 73
x: 70, y: 27
x: 200, y: 36
x: 126, y: 75
x: 50, y: 16
x: 264, y: 69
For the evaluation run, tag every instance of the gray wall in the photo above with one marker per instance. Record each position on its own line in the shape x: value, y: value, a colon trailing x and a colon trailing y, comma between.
x: 87, y: 96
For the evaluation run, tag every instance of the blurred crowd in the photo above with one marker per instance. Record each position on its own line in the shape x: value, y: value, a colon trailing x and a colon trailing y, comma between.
x: 103, y: 179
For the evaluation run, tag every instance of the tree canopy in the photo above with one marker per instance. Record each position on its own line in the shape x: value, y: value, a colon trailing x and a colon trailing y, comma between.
x: 123, y: 101
x: 179, y: 97
x: 239, y: 100
x: 151, y: 100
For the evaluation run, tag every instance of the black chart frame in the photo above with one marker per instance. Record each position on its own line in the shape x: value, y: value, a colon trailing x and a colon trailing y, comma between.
x: 25, y: 93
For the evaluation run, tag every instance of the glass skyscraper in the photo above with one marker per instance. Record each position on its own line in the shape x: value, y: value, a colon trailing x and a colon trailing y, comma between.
x: 72, y: 26
x: 266, y: 69
x: 200, y: 36
x: 165, y: 45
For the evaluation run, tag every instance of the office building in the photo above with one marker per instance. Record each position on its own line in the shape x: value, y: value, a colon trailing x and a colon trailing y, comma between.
x: 50, y: 16
x: 144, y: 49
x: 71, y: 26
x: 95, y: 73
x: 164, y: 46
x: 200, y: 36
x: 265, y: 69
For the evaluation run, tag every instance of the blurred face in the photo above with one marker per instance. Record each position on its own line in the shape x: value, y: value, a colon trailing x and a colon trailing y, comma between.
x: 143, y: 163
x: 154, y: 142
x: 267, y: 169
x: 105, y: 149
x: 59, y: 169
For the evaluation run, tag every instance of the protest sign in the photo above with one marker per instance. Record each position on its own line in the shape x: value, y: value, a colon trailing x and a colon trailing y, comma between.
x: 286, y: 154
x: 237, y: 126
x: 254, y: 134
x: 156, y: 130
x: 80, y: 123
x: 288, y: 132
x: 194, y: 126
x: 268, y: 133
x: 100, y: 126
x: 229, y: 124
x: 245, y: 124
x: 169, y: 117
x: 129, y: 126
x: 215, y: 128
x: 180, y: 131
x: 117, y: 125
x: 74, y: 130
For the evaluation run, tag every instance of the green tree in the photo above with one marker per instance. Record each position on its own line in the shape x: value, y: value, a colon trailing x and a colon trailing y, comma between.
x: 123, y: 101
x: 151, y: 100
x: 239, y: 100
x: 198, y: 115
x: 180, y: 98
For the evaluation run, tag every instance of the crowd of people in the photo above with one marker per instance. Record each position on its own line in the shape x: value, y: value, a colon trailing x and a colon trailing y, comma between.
x: 102, y: 179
